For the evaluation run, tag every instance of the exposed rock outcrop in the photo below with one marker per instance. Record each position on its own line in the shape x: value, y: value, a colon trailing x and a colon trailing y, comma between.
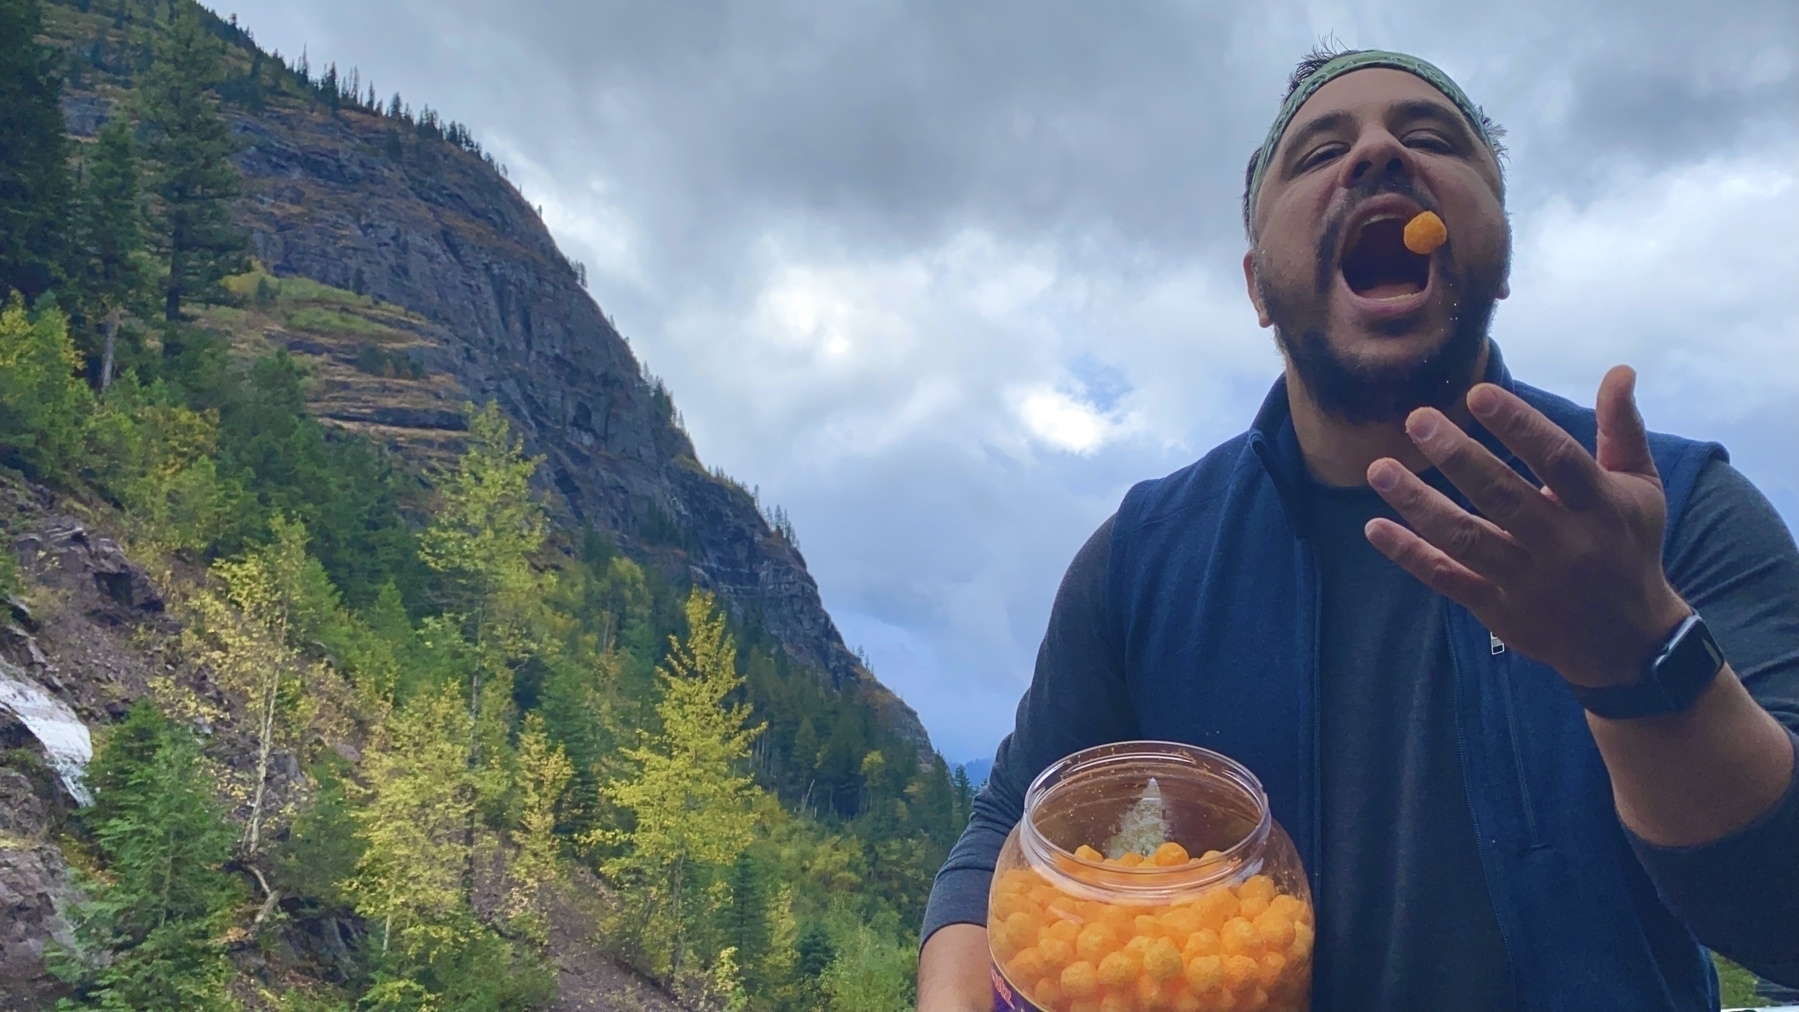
x: 34, y: 888
x: 350, y: 201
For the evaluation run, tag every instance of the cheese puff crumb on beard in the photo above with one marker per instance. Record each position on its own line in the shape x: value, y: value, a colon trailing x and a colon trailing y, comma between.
x: 1363, y: 392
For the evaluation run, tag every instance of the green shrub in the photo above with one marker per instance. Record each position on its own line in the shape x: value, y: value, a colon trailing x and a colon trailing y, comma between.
x: 156, y: 458
x: 44, y: 404
x: 871, y: 974
x: 378, y: 361
x: 462, y: 967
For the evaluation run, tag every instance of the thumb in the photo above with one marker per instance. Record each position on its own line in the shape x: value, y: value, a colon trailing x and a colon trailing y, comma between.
x: 1623, y: 441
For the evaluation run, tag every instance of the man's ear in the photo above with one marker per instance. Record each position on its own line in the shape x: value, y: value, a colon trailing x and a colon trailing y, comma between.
x: 1255, y: 291
x: 1505, y: 288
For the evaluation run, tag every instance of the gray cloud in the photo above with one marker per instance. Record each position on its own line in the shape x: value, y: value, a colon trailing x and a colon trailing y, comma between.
x: 945, y: 278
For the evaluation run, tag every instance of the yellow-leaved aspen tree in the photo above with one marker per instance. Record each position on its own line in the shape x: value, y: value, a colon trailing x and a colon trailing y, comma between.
x: 413, y: 817
x: 780, y: 967
x: 486, y: 529
x: 690, y: 794
x: 543, y: 775
x: 246, y: 642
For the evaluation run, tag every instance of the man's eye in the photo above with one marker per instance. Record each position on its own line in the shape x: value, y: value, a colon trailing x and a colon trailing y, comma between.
x: 1319, y: 156
x: 1429, y: 142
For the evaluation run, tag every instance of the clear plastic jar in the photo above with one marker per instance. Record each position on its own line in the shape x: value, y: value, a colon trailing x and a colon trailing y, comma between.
x: 1149, y: 876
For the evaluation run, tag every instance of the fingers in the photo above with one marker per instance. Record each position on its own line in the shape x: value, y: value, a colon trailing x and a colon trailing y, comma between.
x: 1431, y: 566
x: 1556, y: 457
x: 1468, y: 539
x: 1623, y: 440
x: 1499, y: 492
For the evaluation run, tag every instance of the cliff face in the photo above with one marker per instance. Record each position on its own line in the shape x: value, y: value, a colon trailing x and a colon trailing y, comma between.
x: 349, y: 200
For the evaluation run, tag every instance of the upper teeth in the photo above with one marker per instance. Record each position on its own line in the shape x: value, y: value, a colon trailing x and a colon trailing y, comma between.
x: 1383, y: 217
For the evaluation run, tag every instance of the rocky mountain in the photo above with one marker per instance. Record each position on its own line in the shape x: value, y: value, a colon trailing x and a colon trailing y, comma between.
x: 410, y: 281
x: 494, y: 311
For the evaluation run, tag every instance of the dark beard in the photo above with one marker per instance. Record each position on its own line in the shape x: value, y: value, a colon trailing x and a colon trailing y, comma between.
x: 1361, y: 394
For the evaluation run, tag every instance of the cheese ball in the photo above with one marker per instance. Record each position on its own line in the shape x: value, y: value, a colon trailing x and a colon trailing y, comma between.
x: 1425, y: 232
x: 1080, y: 948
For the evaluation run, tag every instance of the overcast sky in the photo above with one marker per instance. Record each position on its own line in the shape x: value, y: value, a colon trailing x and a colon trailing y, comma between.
x: 944, y: 279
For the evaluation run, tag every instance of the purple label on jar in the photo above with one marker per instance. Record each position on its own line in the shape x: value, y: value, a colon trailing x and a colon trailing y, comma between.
x: 1006, y: 998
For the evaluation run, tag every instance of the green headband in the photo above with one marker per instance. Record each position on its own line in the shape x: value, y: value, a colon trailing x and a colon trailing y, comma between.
x: 1361, y: 61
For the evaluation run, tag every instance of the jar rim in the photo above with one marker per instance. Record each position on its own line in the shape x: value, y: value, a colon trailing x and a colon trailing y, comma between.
x: 1229, y: 861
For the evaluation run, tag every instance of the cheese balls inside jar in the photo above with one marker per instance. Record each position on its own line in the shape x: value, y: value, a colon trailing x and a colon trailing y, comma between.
x: 1149, y: 877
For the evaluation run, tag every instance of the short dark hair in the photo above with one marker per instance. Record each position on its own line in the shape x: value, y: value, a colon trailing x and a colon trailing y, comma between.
x: 1320, y: 55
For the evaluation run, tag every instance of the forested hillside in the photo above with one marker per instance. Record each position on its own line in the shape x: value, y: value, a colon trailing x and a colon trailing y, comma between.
x: 424, y: 665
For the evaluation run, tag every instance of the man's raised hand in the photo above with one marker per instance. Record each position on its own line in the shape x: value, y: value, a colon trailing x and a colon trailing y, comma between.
x: 1570, y: 573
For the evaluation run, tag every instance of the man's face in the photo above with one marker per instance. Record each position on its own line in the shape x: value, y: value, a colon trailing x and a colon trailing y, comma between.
x: 1372, y: 329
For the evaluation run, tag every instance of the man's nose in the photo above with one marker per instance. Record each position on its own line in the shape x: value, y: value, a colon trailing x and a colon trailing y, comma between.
x: 1378, y: 154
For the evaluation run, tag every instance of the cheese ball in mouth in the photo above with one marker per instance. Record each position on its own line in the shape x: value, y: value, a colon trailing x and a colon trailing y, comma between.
x: 1425, y: 232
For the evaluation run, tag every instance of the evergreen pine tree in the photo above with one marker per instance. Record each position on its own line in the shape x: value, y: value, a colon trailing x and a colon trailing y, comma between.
x: 164, y: 899
x: 572, y: 716
x: 251, y: 91
x: 190, y: 145
x: 816, y: 953
x: 963, y: 791
x: 322, y: 850
x: 746, y: 923
x: 933, y: 803
x: 110, y: 236
x: 34, y: 175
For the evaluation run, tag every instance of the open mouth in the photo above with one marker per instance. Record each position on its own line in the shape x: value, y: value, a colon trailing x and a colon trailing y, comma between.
x: 1378, y: 266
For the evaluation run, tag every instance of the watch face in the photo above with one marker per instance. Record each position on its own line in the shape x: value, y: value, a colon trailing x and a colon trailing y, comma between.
x: 1687, y: 664
x: 1714, y: 655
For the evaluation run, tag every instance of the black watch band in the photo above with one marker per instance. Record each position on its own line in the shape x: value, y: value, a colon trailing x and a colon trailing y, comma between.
x: 1687, y: 662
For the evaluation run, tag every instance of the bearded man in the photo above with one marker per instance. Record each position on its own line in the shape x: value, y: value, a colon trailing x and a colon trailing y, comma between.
x: 1520, y: 678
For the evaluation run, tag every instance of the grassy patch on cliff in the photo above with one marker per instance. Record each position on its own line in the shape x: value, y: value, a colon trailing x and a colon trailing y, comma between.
x: 335, y: 321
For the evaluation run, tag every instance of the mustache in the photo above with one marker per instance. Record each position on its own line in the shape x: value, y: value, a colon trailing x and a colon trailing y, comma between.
x: 1368, y: 187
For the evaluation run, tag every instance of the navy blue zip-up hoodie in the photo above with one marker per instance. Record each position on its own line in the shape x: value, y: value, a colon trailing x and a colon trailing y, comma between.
x: 1216, y: 598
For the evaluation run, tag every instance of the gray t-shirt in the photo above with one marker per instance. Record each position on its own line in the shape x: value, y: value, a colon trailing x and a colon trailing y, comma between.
x: 1391, y: 773
x: 1404, y: 919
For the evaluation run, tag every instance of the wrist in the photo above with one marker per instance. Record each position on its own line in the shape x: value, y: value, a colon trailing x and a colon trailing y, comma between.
x: 1629, y: 661
x: 1685, y: 665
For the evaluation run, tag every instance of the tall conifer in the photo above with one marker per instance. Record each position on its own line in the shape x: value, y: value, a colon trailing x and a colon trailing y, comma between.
x: 110, y: 236
x: 34, y: 175
x: 190, y: 145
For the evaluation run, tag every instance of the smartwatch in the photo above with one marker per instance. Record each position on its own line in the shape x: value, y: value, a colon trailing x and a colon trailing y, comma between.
x: 1686, y: 663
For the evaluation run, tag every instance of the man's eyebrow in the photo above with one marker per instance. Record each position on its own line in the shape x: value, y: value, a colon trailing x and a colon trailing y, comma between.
x: 1327, y: 123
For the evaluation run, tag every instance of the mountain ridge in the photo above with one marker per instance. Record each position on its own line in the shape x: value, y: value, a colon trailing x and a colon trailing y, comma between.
x: 360, y: 201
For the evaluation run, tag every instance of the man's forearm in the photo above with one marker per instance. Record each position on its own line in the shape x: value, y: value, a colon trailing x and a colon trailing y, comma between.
x: 953, y: 970
x: 1691, y: 778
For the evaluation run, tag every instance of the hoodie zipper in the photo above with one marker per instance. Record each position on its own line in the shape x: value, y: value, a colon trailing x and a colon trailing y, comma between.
x: 1311, y: 572
x: 1511, y: 731
x: 1461, y: 747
